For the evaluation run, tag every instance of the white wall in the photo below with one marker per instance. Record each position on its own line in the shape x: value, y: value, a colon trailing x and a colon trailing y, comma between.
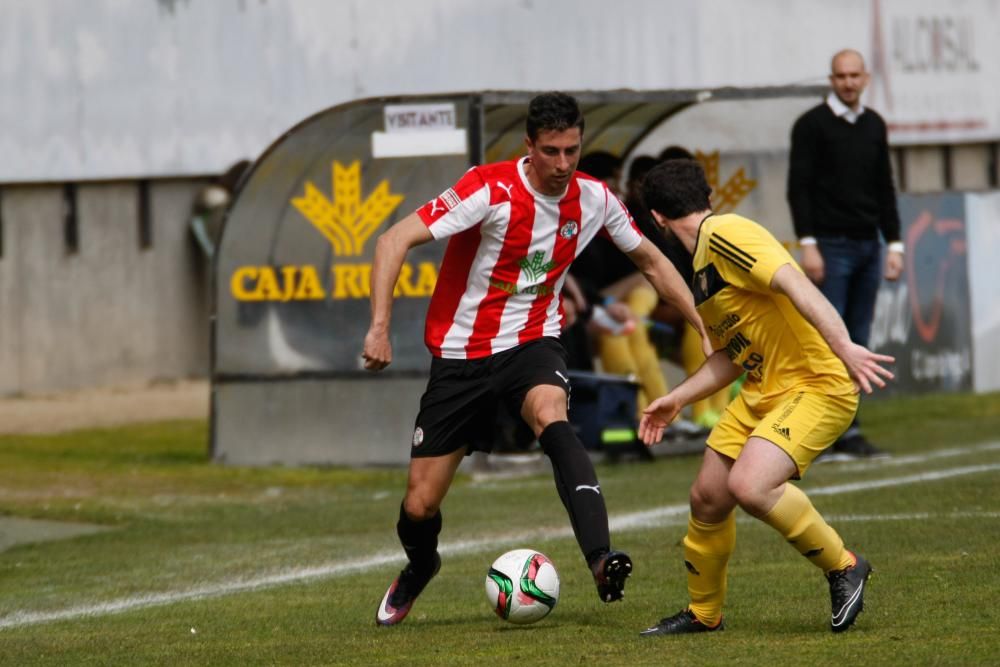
x: 983, y: 234
x: 111, y: 313
x: 119, y: 88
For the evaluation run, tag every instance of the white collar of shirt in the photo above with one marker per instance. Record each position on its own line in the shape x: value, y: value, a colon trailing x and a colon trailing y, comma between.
x: 842, y: 110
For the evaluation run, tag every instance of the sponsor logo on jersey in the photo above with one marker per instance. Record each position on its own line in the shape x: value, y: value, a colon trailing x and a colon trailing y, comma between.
x: 738, y: 343
x: 536, y: 267
x: 727, y: 323
x: 418, y: 437
x: 512, y: 288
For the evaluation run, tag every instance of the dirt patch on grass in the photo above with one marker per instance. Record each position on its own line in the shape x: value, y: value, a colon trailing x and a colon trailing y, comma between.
x: 95, y: 408
x: 24, y: 531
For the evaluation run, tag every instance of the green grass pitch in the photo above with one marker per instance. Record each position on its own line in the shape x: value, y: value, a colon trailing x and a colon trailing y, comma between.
x: 208, y: 565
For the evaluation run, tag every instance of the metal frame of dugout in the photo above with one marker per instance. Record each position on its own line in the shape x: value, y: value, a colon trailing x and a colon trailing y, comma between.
x: 291, y: 273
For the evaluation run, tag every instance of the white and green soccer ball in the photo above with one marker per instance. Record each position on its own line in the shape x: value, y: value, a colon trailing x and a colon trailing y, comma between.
x: 522, y: 586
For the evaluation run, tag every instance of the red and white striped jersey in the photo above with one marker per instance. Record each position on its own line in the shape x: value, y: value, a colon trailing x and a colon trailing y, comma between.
x: 503, y: 270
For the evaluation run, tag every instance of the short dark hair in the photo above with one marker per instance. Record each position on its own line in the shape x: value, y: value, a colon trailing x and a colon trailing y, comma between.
x: 602, y: 165
x: 677, y: 188
x: 640, y: 167
x: 552, y: 111
x: 675, y: 152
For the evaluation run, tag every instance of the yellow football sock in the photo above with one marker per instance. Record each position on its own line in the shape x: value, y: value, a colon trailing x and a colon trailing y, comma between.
x: 798, y: 522
x: 707, y: 548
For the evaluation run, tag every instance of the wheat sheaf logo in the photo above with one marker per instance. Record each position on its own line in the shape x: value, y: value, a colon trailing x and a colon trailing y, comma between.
x: 346, y: 221
x: 537, y: 267
x: 725, y: 196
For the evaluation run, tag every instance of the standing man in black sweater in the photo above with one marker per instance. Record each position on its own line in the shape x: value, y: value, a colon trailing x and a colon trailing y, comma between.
x: 843, y: 204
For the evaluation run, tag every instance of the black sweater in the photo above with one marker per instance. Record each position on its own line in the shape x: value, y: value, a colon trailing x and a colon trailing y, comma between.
x: 840, y: 178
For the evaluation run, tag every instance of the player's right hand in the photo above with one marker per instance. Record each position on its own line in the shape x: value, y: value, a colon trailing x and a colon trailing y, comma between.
x: 378, y: 350
x: 657, y: 417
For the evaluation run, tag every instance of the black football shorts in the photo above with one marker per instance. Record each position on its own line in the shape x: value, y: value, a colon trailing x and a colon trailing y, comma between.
x: 459, y: 406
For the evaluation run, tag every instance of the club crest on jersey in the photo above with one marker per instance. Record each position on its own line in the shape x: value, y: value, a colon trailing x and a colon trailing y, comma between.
x: 569, y: 230
x: 418, y: 437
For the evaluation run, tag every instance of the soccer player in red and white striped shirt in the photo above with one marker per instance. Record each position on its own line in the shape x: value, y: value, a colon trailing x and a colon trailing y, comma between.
x: 493, y: 326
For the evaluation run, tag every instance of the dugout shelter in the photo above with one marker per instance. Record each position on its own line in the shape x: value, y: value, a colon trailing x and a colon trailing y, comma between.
x: 291, y: 275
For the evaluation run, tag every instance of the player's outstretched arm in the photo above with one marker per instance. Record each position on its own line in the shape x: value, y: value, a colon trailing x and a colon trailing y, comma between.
x: 863, y: 365
x: 717, y: 372
x: 390, y: 251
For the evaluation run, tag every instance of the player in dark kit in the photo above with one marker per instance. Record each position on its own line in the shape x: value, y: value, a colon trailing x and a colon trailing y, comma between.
x: 493, y: 325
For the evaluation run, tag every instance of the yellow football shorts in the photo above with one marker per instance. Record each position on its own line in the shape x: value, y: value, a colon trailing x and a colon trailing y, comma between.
x: 803, y: 424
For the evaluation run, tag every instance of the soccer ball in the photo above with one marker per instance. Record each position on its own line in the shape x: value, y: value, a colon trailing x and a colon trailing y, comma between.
x: 522, y: 586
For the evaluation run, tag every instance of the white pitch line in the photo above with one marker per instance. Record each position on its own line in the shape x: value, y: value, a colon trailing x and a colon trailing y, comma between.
x: 923, y: 457
x: 623, y: 522
x: 855, y: 518
x: 932, y: 476
x: 909, y: 516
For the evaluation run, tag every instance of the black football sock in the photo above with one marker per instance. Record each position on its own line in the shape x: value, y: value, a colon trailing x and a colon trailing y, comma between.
x: 419, y: 540
x: 578, y: 488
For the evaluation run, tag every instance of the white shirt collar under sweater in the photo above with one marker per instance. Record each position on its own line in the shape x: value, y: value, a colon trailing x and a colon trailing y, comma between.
x: 842, y: 110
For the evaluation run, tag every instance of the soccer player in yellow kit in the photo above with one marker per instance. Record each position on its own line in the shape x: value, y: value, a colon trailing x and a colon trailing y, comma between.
x: 803, y: 375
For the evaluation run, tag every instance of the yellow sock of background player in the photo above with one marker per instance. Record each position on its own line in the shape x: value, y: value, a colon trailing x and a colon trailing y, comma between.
x: 798, y: 522
x: 708, y: 410
x: 634, y: 354
x: 642, y: 300
x: 707, y: 548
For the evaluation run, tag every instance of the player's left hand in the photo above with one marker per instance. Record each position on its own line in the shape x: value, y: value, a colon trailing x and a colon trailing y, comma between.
x: 865, y: 367
x: 893, y: 265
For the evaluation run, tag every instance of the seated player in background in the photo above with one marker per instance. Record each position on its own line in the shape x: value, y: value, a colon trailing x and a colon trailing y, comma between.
x: 609, y: 279
x: 706, y: 412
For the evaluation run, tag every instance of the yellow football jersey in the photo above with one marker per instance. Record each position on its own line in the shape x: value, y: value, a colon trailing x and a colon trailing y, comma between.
x: 761, y: 330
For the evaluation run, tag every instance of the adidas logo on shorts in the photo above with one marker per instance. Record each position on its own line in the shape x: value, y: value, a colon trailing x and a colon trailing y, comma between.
x: 783, y: 431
